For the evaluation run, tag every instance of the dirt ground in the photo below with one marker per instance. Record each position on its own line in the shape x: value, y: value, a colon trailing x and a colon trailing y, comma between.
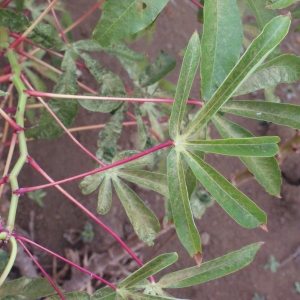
x: 61, y: 159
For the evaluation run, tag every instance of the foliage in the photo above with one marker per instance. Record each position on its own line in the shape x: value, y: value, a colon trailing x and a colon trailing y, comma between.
x: 272, y: 265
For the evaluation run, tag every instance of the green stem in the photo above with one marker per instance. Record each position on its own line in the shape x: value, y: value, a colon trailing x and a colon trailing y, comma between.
x: 3, y: 236
x: 11, y: 260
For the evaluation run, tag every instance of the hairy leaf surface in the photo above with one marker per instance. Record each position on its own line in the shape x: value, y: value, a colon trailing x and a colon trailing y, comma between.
x: 121, y: 19
x: 210, y: 270
x: 259, y: 49
x: 235, y: 203
x: 221, y: 43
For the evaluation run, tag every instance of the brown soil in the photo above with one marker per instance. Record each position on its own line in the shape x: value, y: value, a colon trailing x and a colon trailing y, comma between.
x: 61, y: 159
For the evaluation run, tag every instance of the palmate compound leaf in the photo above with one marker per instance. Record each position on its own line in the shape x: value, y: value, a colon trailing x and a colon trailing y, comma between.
x: 143, y: 220
x: 265, y: 169
x: 181, y: 210
x: 26, y: 288
x: 284, y: 68
x: 210, y: 270
x: 152, y: 267
x: 186, y: 78
x: 261, y: 146
x: 278, y: 113
x: 278, y: 4
x: 259, y: 49
x: 221, y: 43
x: 121, y: 19
x: 235, y: 203
x: 65, y: 109
x: 73, y: 296
x: 157, y: 70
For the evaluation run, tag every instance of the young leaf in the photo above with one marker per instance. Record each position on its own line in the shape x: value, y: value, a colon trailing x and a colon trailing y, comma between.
x: 278, y: 113
x: 221, y: 43
x: 259, y: 49
x: 121, y: 19
x: 106, y: 293
x: 261, y: 146
x: 265, y: 169
x: 181, y: 210
x: 278, y: 4
x: 152, y: 267
x: 186, y: 77
x: 155, y: 71
x: 210, y: 270
x: 235, y: 203
x: 104, y: 196
x: 262, y: 15
x: 65, y: 109
x: 73, y: 296
x: 154, y: 181
x: 143, y: 220
x: 27, y: 288
x: 284, y: 68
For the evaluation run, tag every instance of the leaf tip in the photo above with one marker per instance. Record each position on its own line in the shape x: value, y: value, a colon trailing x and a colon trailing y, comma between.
x: 260, y: 243
x: 264, y: 227
x: 198, y: 259
x: 278, y: 196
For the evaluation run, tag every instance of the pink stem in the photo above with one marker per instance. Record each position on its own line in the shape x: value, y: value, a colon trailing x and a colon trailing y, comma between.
x: 5, y: 3
x: 92, y: 98
x: 198, y: 4
x: 11, y: 122
x: 63, y: 126
x: 5, y: 78
x: 21, y: 191
x: 4, y: 179
x: 32, y: 162
x: 18, y: 237
x: 42, y: 270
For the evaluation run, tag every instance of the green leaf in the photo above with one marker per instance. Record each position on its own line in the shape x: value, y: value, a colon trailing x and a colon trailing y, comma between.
x: 65, y: 109
x: 121, y: 19
x: 262, y: 15
x: 94, y: 66
x: 210, y: 270
x: 152, y: 267
x: 157, y: 70
x: 139, y: 296
x: 265, y: 169
x: 221, y: 43
x: 284, y: 68
x: 186, y: 77
x: 15, y: 22
x: 104, y: 196
x: 261, y: 146
x: 235, y: 203
x: 278, y: 4
x: 142, y: 128
x: 181, y: 210
x: 154, y: 181
x: 26, y: 288
x: 3, y: 260
x: 86, y: 45
x: 120, y: 50
x: 259, y: 49
x: 91, y: 182
x: 106, y: 293
x: 73, y: 296
x: 108, y: 137
x: 296, y: 12
x: 278, y: 113
x: 143, y: 220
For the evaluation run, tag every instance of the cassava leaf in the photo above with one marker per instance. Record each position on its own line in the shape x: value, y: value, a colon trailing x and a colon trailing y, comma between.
x: 104, y: 196
x: 181, y: 210
x: 142, y: 128
x: 235, y: 203
x: 119, y: 49
x: 157, y: 70
x: 139, y: 296
x: 26, y: 288
x: 296, y: 12
x: 65, y: 109
x: 264, y: 169
x: 94, y: 66
x: 261, y: 146
x: 3, y: 260
x: 106, y: 293
x: 186, y: 77
x: 73, y: 296
x: 143, y: 220
x: 210, y: 270
x: 121, y: 19
x: 278, y: 113
x: 15, y: 22
x: 284, y: 68
x: 154, y: 181
x: 259, y: 49
x: 279, y: 4
x: 86, y: 45
x: 221, y: 43
x: 152, y: 267
x: 91, y: 182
